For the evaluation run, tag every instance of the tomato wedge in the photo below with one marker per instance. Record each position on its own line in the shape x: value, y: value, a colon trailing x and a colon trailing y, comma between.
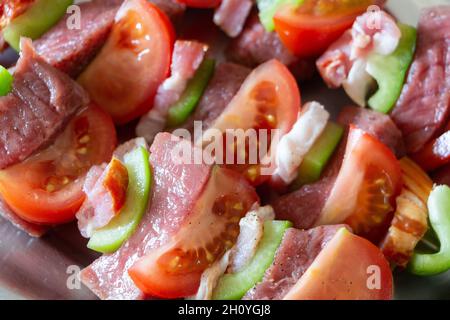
x: 268, y: 99
x: 364, y: 193
x: 174, y: 270
x: 309, y: 29
x: 348, y: 268
x: 124, y: 77
x: 436, y: 153
x: 47, y: 187
x: 201, y: 3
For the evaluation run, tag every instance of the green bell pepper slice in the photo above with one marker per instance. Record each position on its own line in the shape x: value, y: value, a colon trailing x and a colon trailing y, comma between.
x: 427, y: 264
x: 317, y: 158
x: 35, y: 21
x: 235, y: 286
x: 268, y: 9
x: 109, y: 238
x: 6, y: 81
x: 390, y: 71
x: 179, y: 112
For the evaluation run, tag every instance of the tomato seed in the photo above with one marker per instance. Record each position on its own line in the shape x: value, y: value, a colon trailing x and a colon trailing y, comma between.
x: 84, y: 139
x: 50, y: 188
x: 82, y: 151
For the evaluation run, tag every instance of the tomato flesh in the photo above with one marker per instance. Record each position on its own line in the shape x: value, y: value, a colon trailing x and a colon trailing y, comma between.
x: 269, y: 99
x: 374, y: 210
x: 309, y: 29
x: 47, y: 187
x: 201, y: 3
x: 364, y: 193
x: 348, y: 268
x: 124, y: 77
x: 174, y: 270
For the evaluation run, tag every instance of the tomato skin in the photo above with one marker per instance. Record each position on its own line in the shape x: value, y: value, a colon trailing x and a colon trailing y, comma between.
x: 308, y: 35
x: 436, y: 153
x: 20, y: 185
x: 174, y: 270
x: 270, y: 87
x: 160, y: 283
x: 171, y: 33
x: 343, y: 271
x: 201, y: 3
x: 34, y: 213
x: 366, y: 162
x: 309, y: 41
x: 125, y: 76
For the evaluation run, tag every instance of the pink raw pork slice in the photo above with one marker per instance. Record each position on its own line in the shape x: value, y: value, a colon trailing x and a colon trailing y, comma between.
x: 71, y: 50
x: 296, y: 253
x: 175, y: 189
x: 424, y: 105
x: 231, y: 16
x: 186, y: 59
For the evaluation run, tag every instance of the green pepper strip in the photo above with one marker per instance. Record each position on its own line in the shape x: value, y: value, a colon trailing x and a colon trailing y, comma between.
x: 35, y: 21
x: 234, y: 286
x: 431, y: 264
x: 6, y: 80
x: 390, y: 71
x: 318, y: 157
x: 179, y: 112
x: 268, y: 9
x: 108, y: 239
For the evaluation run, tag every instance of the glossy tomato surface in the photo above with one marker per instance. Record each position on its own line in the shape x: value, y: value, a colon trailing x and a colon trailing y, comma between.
x: 308, y: 30
x: 348, y: 268
x: 47, y: 187
x: 436, y: 153
x: 267, y: 105
x: 364, y: 193
x: 124, y: 77
x: 174, y: 270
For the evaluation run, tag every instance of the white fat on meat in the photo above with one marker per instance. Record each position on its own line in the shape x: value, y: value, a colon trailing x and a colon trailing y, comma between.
x: 232, y: 15
x: 186, y: 59
x: 99, y: 207
x: 96, y: 210
x: 293, y: 146
x: 129, y: 146
x: 359, y: 83
x: 250, y: 234
x: 234, y: 260
x: 210, y: 277
x: 372, y: 33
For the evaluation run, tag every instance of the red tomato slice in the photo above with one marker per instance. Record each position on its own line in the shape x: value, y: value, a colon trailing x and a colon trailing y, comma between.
x: 311, y: 28
x: 348, y: 268
x: 124, y: 77
x: 436, y: 153
x: 364, y: 193
x: 174, y: 270
x: 201, y: 3
x: 47, y: 187
x: 268, y: 99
